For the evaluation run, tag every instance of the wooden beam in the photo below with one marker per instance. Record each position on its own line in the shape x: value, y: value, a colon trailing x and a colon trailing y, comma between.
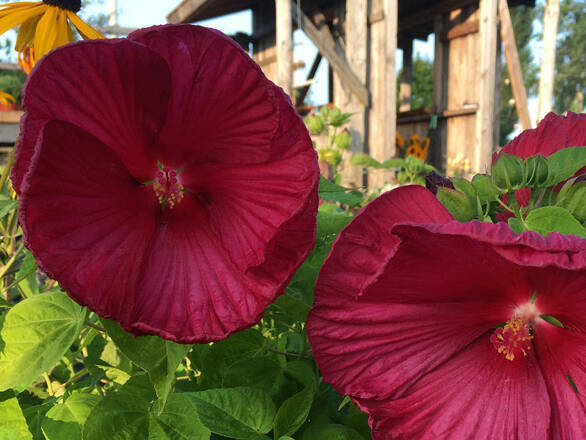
x: 324, y: 41
x: 183, y: 12
x: 312, y: 71
x: 438, y: 150
x: 546, y: 76
x: 513, y: 64
x: 428, y: 14
x: 406, y: 78
x: 115, y: 30
x: 461, y: 30
x: 284, y: 45
x: 485, y: 115
x: 10, y: 66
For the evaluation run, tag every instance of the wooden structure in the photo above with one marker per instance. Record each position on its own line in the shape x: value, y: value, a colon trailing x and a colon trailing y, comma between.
x: 359, y: 39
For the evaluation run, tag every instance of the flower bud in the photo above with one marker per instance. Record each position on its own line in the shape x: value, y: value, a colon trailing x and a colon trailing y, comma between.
x: 535, y: 171
x: 575, y: 201
x: 457, y: 203
x: 331, y: 156
x: 343, y: 139
x: 433, y: 180
x: 315, y: 124
x: 507, y: 172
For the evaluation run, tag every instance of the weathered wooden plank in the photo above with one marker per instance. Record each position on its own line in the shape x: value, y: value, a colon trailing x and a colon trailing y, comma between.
x: 10, y: 116
x: 264, y: 49
x: 115, y: 30
x: 485, y: 115
x: 462, y: 29
x: 324, y: 42
x: 546, y: 75
x: 406, y: 78
x: 9, y: 66
x: 284, y: 45
x: 310, y: 76
x: 513, y: 64
x: 183, y: 12
x: 428, y: 14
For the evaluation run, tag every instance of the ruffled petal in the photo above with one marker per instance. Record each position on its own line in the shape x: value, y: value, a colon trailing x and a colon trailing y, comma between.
x: 562, y: 351
x: 222, y: 109
x: 190, y: 291
x: 116, y: 90
x: 86, y: 219
x: 478, y: 394
x: 552, y: 134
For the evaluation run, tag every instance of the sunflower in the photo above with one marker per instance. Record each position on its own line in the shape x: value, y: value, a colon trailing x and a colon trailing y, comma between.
x: 44, y: 25
x: 6, y: 98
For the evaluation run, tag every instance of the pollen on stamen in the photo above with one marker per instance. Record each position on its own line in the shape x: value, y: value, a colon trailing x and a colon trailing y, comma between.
x: 167, y: 188
x: 513, y: 339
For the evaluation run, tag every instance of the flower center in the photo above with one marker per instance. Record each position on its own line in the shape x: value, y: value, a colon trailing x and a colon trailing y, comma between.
x: 513, y: 339
x: 70, y: 5
x: 168, y: 189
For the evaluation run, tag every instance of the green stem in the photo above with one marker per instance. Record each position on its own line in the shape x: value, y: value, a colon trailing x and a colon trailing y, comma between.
x: 49, y: 384
x: 6, y: 171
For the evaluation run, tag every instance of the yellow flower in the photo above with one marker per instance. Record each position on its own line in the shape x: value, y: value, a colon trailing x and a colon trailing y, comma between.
x: 6, y: 98
x: 418, y: 147
x: 44, y: 25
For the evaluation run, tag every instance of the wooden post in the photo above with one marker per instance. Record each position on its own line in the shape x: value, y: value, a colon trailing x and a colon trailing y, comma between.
x: 438, y: 146
x: 550, y: 28
x: 356, y: 54
x: 484, y: 119
x: 513, y: 64
x: 284, y: 45
x: 391, y: 10
x: 406, y: 78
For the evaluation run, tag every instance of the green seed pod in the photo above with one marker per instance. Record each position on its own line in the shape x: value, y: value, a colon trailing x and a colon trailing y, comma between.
x: 535, y: 171
x: 331, y: 156
x: 315, y: 124
x: 485, y: 188
x: 458, y: 203
x: 343, y: 139
x: 507, y: 172
x: 575, y: 201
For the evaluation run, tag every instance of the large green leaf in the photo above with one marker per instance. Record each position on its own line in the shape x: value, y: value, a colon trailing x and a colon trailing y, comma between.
x: 548, y: 219
x: 262, y: 372
x: 36, y: 333
x: 66, y: 420
x: 364, y: 160
x: 12, y: 422
x: 564, y: 163
x: 293, y: 412
x: 332, y: 432
x: 332, y: 192
x: 238, y: 413
x: 158, y: 357
x: 127, y: 415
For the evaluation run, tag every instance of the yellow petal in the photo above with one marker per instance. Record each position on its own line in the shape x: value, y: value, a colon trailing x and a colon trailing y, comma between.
x: 46, y: 33
x: 26, y: 33
x: 18, y: 16
x: 64, y: 33
x: 86, y: 31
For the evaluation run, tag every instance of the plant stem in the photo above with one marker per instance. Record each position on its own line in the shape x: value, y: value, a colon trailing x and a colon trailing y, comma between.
x: 81, y: 373
x: 6, y: 171
x: 49, y: 384
x: 97, y: 327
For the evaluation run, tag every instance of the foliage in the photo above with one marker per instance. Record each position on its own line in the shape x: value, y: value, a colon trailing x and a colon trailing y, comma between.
x: 421, y: 84
x: 67, y: 374
x: 570, y: 78
x: 11, y: 81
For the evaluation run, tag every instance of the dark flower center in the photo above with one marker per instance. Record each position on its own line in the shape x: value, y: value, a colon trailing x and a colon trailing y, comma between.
x: 167, y: 187
x: 70, y: 5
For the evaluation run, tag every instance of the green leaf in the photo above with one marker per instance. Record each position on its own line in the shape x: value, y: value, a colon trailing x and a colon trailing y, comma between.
x: 332, y: 192
x: 485, y: 188
x: 127, y: 415
x: 264, y: 372
x: 564, y: 163
x: 574, y: 200
x: 364, y: 160
x: 293, y: 412
x: 12, y: 422
x: 552, y: 320
x: 7, y: 205
x: 158, y: 357
x: 548, y: 219
x: 516, y: 225
x: 26, y: 276
x: 332, y: 432
x: 393, y: 163
x: 66, y: 420
x: 36, y: 333
x: 331, y: 223
x: 457, y: 203
x: 238, y: 413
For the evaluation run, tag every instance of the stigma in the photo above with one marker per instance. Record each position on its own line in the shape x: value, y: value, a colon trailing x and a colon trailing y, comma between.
x: 514, y: 339
x: 167, y: 187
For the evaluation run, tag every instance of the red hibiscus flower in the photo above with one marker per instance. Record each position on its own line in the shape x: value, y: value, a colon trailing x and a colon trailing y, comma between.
x: 164, y: 181
x: 553, y: 133
x: 442, y: 330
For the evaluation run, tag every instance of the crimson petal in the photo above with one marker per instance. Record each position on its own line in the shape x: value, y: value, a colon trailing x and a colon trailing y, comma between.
x: 86, y: 219
x: 478, y: 394
x: 222, y: 108
x: 117, y: 90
